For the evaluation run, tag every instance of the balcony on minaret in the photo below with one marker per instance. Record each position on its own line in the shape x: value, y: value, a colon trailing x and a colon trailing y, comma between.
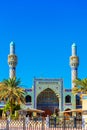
x: 74, y: 61
x: 12, y: 60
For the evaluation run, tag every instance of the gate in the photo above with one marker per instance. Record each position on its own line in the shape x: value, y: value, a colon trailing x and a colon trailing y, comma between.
x: 54, y: 123
x: 65, y: 123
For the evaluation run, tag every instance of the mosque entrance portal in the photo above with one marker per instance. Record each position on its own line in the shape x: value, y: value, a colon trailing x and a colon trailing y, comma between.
x: 47, y: 101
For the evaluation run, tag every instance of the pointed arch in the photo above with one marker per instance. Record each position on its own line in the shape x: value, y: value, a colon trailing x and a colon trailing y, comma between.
x: 47, y: 100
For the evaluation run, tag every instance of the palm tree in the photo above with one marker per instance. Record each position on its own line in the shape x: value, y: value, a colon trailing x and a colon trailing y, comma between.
x: 80, y: 86
x: 11, y: 92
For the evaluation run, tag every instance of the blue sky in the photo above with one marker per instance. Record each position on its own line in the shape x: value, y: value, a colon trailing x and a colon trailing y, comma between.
x: 43, y: 32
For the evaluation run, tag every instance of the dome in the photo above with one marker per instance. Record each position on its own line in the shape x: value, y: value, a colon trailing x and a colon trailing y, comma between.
x: 73, y: 45
x: 12, y: 43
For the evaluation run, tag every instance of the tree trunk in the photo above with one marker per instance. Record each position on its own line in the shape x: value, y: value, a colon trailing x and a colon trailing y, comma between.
x: 11, y: 107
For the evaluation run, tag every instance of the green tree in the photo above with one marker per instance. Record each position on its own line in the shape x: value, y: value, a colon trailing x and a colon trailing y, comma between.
x: 11, y: 92
x: 80, y: 86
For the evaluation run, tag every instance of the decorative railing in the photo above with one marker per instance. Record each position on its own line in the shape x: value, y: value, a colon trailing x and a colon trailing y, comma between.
x: 42, y: 123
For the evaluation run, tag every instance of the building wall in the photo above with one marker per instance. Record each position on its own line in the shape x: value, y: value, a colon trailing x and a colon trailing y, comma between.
x: 29, y: 92
x: 40, y: 84
x: 54, y: 84
x: 72, y: 104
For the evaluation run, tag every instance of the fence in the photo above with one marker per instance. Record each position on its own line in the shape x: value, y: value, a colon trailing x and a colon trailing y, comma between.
x: 53, y: 123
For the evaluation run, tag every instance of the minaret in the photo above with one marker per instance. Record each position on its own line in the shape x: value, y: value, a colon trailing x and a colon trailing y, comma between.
x: 74, y: 62
x: 12, y: 60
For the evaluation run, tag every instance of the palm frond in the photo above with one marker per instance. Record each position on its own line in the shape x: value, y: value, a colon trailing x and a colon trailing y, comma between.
x: 81, y: 86
x: 9, y: 89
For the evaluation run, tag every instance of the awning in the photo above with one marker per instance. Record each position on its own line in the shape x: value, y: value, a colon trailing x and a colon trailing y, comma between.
x: 73, y: 110
x: 31, y: 110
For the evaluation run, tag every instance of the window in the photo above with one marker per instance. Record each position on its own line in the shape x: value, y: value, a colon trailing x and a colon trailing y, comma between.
x: 68, y: 99
x: 78, y: 100
x: 28, y: 98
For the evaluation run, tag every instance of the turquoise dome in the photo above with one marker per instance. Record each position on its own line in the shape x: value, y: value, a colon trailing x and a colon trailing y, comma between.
x: 12, y: 43
x: 73, y: 45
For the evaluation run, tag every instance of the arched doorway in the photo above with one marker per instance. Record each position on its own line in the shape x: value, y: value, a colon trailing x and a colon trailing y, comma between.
x: 47, y: 101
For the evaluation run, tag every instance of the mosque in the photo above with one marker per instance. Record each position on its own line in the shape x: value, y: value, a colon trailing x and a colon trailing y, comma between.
x: 49, y: 94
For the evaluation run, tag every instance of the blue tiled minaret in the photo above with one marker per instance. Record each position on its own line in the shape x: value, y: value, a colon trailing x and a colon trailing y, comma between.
x: 74, y: 62
x: 12, y: 60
